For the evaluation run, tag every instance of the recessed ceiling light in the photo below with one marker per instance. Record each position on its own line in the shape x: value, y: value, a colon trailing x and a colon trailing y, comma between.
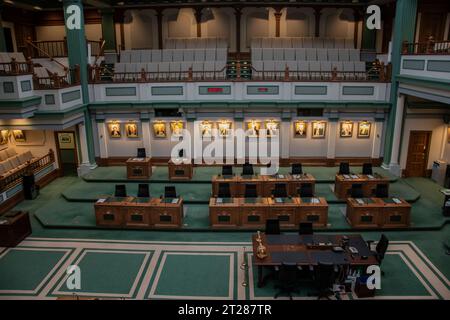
x: 37, y: 8
x: 8, y: 1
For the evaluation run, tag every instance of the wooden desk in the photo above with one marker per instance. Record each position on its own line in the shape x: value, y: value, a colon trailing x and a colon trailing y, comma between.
x: 269, y: 183
x: 313, y: 210
x: 182, y: 171
x: 378, y: 213
x: 243, y: 180
x: 285, y: 210
x: 254, y: 212
x: 231, y: 180
x: 343, y: 184
x: 225, y: 213
x: 139, y: 213
x: 296, y: 181
x: 309, y: 251
x: 139, y: 168
x: 14, y: 227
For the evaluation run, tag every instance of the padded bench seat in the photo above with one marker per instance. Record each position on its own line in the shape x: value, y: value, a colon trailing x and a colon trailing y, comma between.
x: 15, y: 163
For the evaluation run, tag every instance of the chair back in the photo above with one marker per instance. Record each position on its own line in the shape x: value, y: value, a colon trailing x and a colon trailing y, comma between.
x: 227, y: 170
x: 382, y: 247
x: 143, y: 191
x: 247, y: 169
x: 367, y: 169
x: 325, y: 275
x: 170, y: 192
x: 121, y: 191
x: 224, y: 190
x: 305, y: 228
x: 141, y: 153
x: 297, y: 168
x: 306, y: 190
x: 250, y: 191
x: 280, y: 190
x: 357, y: 191
x: 273, y: 226
x: 287, y: 275
x: 344, y: 168
x: 381, y: 190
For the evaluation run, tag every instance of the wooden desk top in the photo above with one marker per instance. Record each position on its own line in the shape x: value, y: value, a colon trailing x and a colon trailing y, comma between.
x: 302, y: 177
x: 311, y: 249
x: 277, y: 178
x: 182, y: 162
x: 253, y: 202
x: 361, y: 178
x: 310, y: 203
x: 250, y: 179
x: 226, y: 202
x: 377, y: 202
x: 166, y: 202
x: 136, y: 202
x: 137, y: 160
x: 220, y: 178
x: 284, y: 202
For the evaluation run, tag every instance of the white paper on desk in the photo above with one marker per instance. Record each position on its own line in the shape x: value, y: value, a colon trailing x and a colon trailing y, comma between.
x: 281, y: 176
x: 354, y: 176
x: 138, y: 159
x: 315, y: 200
x: 219, y: 200
x: 346, y: 176
x: 174, y: 201
x: 396, y: 200
x: 360, y: 201
x: 278, y: 200
x: 101, y: 200
x: 370, y: 176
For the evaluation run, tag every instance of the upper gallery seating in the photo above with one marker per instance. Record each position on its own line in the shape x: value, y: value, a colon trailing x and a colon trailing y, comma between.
x: 171, y: 64
x: 7, y: 57
x: 11, y: 162
x: 195, y: 43
x: 306, y: 42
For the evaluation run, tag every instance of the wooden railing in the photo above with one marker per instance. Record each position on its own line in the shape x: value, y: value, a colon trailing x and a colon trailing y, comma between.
x: 34, y: 166
x: 15, y: 68
x: 55, y: 81
x: 58, y: 48
x: 429, y: 47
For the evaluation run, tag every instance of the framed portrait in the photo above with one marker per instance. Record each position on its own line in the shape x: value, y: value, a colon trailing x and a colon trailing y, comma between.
x: 346, y: 129
x: 272, y: 128
x: 319, y: 129
x: 159, y: 129
x: 224, y: 127
x: 300, y: 129
x: 131, y: 129
x: 19, y: 135
x: 4, y: 136
x: 66, y: 140
x: 364, y: 129
x: 253, y: 128
x: 176, y: 128
x: 114, y: 129
x: 206, y: 129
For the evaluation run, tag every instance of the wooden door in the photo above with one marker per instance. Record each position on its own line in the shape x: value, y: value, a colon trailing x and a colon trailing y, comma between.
x: 67, y: 152
x: 418, y: 150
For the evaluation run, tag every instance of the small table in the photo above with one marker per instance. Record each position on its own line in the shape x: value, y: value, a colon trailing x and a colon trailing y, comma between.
x: 344, y: 182
x: 14, y: 227
x: 314, y: 210
x: 271, y: 181
x: 244, y: 179
x: 297, y: 180
x: 181, y: 171
x: 224, y: 212
x: 254, y: 212
x: 139, y: 168
x: 283, y: 209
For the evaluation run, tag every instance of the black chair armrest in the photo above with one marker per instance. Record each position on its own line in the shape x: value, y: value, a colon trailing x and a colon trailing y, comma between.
x: 369, y: 244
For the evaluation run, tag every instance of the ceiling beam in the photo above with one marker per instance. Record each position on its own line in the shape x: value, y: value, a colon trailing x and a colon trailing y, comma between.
x: 98, y: 4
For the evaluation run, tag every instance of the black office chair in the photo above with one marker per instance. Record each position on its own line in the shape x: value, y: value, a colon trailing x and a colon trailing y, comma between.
x: 325, y: 277
x: 250, y: 191
x: 380, y: 249
x: 447, y: 248
x: 224, y: 190
x: 297, y: 169
x: 357, y: 191
x: 382, y: 190
x: 306, y: 190
x: 344, y: 168
x: 227, y: 170
x: 273, y: 226
x: 141, y: 153
x: 121, y: 191
x: 367, y: 169
x: 280, y: 190
x: 170, y: 192
x: 305, y: 228
x: 143, y: 191
x: 287, y: 280
x: 247, y: 170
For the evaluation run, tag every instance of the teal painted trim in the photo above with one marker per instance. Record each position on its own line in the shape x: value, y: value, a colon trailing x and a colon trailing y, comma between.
x: 358, y: 91
x: 89, y: 136
x: 70, y: 96
x: 167, y: 91
x: 26, y: 86
x: 8, y: 87
x: 404, y: 29
x: 220, y: 90
x: 438, y: 65
x: 21, y: 103
x: 121, y: 91
x: 108, y: 29
x: 410, y: 64
x: 428, y: 82
x: 369, y: 37
x: 263, y: 90
x: 311, y: 90
x: 62, y: 113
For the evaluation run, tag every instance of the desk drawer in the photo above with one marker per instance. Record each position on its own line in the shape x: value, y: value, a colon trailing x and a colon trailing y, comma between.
x: 224, y: 217
x: 285, y: 215
x: 254, y: 217
x: 106, y: 216
x: 137, y: 217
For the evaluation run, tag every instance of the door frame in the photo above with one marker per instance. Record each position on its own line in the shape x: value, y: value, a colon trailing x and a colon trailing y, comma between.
x: 427, y: 153
x: 58, y: 150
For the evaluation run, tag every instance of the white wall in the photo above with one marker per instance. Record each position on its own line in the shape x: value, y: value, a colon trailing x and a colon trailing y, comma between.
x: 49, y: 33
x: 39, y: 142
x: 333, y: 26
x: 297, y: 22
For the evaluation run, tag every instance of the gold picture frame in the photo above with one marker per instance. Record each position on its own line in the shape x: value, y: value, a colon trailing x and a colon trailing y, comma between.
x: 131, y: 128
x: 346, y: 129
x: 66, y: 140
x: 364, y: 128
x: 19, y: 136
x: 224, y: 127
x: 159, y: 129
x: 115, y: 130
x: 253, y: 128
x: 319, y: 129
x: 177, y: 128
x: 272, y: 128
x: 206, y: 129
x: 300, y: 129
x: 4, y: 134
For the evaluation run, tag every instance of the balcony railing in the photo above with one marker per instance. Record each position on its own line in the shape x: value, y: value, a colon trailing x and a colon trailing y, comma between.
x: 429, y: 47
x: 15, y: 68
x: 56, y: 81
x: 58, y: 48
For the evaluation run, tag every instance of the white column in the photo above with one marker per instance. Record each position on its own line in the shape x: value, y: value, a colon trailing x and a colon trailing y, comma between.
x: 332, y: 133
x: 377, y: 133
x: 102, y: 139
x: 146, y: 136
x: 394, y: 166
x: 84, y: 166
x: 444, y: 141
x: 285, y: 131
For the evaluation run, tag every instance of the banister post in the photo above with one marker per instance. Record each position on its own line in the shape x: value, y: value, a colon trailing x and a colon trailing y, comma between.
x: 334, y: 74
x: 405, y: 48
x: 286, y: 73
x: 382, y: 71
x: 14, y: 66
x: 430, y: 44
x: 190, y: 74
x: 238, y: 70
x: 30, y: 65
